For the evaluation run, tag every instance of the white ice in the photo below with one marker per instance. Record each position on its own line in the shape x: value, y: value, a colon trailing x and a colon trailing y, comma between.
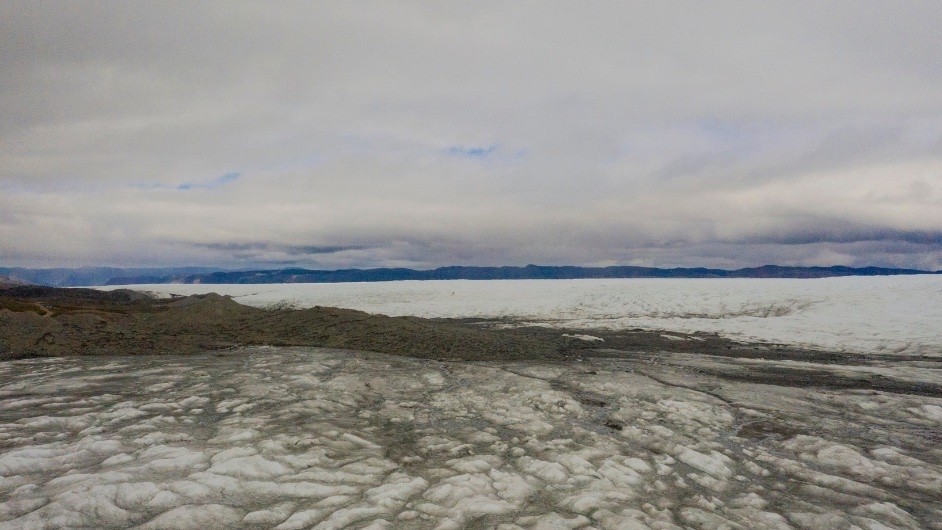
x: 868, y: 314
x: 601, y: 444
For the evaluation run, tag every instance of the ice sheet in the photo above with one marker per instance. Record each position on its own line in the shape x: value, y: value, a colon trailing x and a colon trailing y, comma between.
x: 899, y: 314
x: 309, y: 438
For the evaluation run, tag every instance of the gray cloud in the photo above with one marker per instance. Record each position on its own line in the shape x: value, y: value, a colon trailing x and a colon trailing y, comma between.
x: 722, y: 134
x: 270, y: 253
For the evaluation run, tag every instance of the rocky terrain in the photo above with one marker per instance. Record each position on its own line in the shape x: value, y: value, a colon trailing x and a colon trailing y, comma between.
x: 44, y: 321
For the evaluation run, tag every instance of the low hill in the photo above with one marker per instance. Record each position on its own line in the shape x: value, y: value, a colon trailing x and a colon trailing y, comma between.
x: 6, y: 282
x: 45, y: 321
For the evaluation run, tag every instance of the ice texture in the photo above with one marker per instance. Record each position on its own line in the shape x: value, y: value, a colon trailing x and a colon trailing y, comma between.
x: 898, y: 314
x: 315, y: 438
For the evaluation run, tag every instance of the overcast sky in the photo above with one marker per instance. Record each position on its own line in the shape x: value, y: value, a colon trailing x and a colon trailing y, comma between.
x: 414, y: 134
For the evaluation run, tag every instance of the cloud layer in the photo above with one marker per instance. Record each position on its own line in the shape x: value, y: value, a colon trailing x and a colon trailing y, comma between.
x: 241, y: 134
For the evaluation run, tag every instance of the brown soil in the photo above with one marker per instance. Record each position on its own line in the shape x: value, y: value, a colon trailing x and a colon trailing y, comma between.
x: 44, y: 321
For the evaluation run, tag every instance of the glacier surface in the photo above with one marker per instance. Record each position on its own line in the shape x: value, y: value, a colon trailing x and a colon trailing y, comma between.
x: 315, y: 438
x: 896, y: 314
x: 326, y: 439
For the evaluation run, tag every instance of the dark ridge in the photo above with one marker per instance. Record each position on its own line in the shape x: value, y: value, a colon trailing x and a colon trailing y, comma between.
x: 530, y: 272
x: 6, y: 283
x: 87, y: 276
x: 111, y: 276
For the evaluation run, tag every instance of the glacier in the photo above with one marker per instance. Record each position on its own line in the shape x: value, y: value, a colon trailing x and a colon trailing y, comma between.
x: 265, y: 437
x: 313, y: 438
x: 891, y: 314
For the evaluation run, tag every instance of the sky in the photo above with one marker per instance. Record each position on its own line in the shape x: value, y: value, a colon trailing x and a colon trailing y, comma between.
x: 422, y: 134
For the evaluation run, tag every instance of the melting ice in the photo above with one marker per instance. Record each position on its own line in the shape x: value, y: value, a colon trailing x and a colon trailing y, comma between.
x: 313, y: 438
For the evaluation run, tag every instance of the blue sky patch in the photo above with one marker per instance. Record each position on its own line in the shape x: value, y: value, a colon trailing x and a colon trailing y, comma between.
x: 212, y: 184
x: 472, y: 151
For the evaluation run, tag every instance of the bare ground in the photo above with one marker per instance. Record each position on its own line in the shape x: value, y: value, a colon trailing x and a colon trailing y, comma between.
x: 44, y: 321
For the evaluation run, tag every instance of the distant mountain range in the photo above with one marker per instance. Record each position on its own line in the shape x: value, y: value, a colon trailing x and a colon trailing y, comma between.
x: 88, y: 276
x: 116, y: 276
x: 9, y: 282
